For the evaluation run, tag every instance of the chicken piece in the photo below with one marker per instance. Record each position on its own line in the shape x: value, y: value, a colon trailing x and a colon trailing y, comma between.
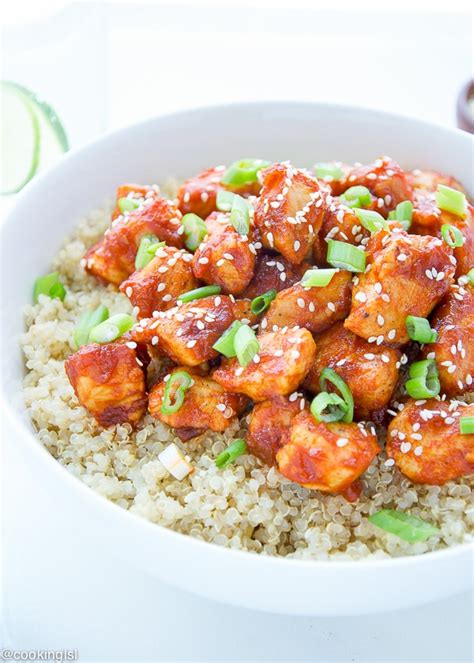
x: 428, y: 220
x: 243, y: 312
x: 370, y: 372
x: 453, y: 320
x: 315, y: 309
x: 198, y: 194
x: 289, y: 211
x: 326, y: 457
x: 408, y: 275
x: 336, y: 186
x: 156, y: 286
x: 269, y: 423
x: 109, y: 382
x: 282, y: 362
x: 340, y: 223
x: 426, y: 444
x: 137, y: 192
x: 225, y: 257
x: 428, y: 180
x: 385, y: 180
x: 206, y: 405
x: 186, y: 333
x: 113, y: 258
x: 274, y: 273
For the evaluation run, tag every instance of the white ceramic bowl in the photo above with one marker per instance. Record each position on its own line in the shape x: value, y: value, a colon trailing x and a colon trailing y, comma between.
x: 182, y: 144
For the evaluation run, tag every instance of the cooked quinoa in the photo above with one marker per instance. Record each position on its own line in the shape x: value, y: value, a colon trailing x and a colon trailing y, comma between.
x: 247, y: 505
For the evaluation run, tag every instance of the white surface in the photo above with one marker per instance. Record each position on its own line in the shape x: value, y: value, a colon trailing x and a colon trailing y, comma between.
x: 148, y: 58
x: 51, y: 605
x: 415, y: 64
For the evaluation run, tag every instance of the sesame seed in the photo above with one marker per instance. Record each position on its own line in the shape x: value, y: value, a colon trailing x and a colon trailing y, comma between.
x: 191, y: 344
x: 380, y: 320
x: 389, y: 462
x: 361, y: 297
x: 331, y: 306
x: 418, y: 450
x: 300, y: 302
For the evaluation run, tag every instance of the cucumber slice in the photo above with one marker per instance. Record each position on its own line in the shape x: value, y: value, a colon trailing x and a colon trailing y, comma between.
x: 20, y: 140
x: 32, y: 140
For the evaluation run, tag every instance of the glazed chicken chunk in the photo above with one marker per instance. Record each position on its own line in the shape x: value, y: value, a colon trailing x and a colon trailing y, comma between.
x: 283, y: 359
x: 453, y: 351
x: 370, y: 371
x: 274, y: 273
x: 289, y: 211
x: 269, y: 422
x: 113, y: 258
x: 206, y: 405
x: 186, y: 333
x: 109, y: 382
x: 224, y: 257
x: 407, y: 275
x: 315, y: 308
x: 428, y: 180
x: 327, y: 457
x: 156, y: 286
x: 385, y: 180
x: 428, y: 219
x: 198, y: 194
x: 340, y: 223
x: 136, y: 193
x: 425, y: 441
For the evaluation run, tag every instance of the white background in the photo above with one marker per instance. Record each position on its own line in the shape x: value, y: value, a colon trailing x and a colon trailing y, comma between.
x: 104, y: 65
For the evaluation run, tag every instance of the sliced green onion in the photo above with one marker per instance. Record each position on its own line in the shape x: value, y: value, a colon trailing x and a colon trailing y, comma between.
x: 467, y: 425
x: 328, y: 170
x: 246, y: 345
x: 240, y: 215
x: 262, y: 302
x: 406, y: 527
x: 452, y: 235
x: 224, y: 200
x: 345, y: 256
x: 225, y: 344
x: 418, y: 329
x: 317, y: 278
x: 199, y: 293
x: 328, y: 407
x: 127, y: 204
x: 233, y: 451
x: 153, y: 248
x: 331, y: 376
x: 194, y: 231
x: 88, y: 321
x: 111, y: 328
x: 424, y: 381
x: 244, y: 171
x: 49, y: 285
x: 356, y: 196
x: 403, y: 213
x: 372, y: 221
x: 451, y: 200
x: 143, y: 256
x: 175, y: 387
x: 470, y: 276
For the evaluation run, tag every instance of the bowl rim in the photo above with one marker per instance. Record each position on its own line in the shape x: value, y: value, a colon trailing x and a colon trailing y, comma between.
x: 30, y: 440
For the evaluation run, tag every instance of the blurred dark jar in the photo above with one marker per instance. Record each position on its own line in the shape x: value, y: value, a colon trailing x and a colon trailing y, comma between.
x: 465, y: 107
